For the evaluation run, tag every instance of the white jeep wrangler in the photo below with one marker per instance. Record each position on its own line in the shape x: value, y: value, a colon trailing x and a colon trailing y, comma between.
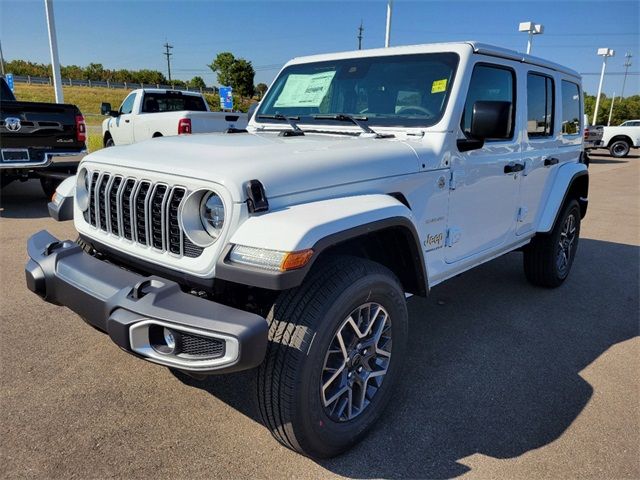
x: 364, y: 177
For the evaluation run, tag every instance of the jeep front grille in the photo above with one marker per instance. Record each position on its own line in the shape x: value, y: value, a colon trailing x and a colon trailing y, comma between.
x: 140, y: 211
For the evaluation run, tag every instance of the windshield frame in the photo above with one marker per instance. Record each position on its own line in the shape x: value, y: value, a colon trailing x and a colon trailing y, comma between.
x: 377, y: 121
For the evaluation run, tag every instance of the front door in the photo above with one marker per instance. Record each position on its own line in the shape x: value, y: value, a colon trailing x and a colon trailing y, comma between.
x: 121, y: 127
x: 485, y: 182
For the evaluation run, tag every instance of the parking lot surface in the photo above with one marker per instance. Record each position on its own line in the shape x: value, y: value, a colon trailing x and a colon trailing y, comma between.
x: 503, y: 380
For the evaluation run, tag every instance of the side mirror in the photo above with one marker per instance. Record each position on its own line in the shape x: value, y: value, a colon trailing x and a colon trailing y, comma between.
x: 489, y: 120
x: 252, y: 109
x: 105, y: 108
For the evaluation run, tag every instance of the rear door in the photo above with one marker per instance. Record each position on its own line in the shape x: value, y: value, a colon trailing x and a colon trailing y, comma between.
x: 121, y: 127
x: 540, y: 147
x: 483, y: 198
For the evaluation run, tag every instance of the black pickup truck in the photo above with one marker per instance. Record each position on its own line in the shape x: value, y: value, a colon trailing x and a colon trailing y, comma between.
x: 39, y: 140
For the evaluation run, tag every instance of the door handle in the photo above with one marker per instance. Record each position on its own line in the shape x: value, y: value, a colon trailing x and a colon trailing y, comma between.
x: 513, y: 168
x: 126, y: 121
x: 550, y: 161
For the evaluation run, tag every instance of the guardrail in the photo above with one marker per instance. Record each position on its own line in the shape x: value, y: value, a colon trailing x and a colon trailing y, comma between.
x: 106, y: 84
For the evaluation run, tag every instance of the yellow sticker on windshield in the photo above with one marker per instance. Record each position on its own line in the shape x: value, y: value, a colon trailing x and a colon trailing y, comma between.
x: 439, y: 86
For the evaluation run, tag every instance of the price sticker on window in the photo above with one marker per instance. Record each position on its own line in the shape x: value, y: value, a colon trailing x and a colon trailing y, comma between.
x: 439, y: 86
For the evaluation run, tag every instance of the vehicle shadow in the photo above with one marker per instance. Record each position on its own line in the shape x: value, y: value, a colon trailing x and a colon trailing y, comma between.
x: 23, y: 200
x: 493, y: 366
x: 606, y: 161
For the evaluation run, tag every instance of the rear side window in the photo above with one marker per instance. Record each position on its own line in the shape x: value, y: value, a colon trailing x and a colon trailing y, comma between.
x: 127, y: 105
x: 540, y: 103
x: 489, y: 82
x: 172, y: 102
x: 570, y: 108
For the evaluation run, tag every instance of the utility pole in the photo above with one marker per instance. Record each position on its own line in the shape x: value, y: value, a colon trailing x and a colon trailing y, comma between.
x: 1, y: 61
x: 53, y: 47
x: 168, y: 55
x: 360, y: 30
x: 613, y: 99
x: 627, y: 64
x: 387, y: 37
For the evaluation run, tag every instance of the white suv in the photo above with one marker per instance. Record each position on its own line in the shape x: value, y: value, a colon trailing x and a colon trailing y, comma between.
x: 364, y: 177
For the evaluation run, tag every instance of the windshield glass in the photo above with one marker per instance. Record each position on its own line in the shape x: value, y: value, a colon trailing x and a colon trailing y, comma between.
x: 400, y: 90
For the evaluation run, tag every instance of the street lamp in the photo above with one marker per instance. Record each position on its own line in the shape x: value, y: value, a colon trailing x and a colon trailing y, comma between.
x: 604, y: 53
x: 532, y: 29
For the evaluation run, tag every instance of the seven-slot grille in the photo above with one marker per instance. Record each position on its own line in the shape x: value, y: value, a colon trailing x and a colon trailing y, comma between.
x: 140, y: 211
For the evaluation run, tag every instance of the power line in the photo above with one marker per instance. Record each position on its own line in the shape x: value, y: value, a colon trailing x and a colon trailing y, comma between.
x: 168, y: 55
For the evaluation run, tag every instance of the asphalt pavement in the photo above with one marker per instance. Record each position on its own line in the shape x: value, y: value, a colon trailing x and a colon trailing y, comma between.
x: 503, y: 380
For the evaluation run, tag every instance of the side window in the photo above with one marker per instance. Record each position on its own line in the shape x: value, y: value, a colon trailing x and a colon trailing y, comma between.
x: 540, y: 104
x: 127, y: 105
x: 570, y: 108
x: 489, y: 82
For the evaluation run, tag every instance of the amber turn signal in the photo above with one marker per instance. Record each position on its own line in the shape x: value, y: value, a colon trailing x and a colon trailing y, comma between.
x: 293, y: 260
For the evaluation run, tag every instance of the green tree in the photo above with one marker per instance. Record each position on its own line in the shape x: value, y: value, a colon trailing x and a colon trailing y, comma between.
x: 197, y: 82
x: 261, y: 88
x: 221, y: 65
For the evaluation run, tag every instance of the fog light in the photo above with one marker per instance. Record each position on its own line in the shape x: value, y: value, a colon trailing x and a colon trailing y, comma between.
x: 169, y: 338
x: 164, y: 340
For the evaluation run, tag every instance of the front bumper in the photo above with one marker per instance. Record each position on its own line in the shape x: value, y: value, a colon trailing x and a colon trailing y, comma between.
x: 126, y: 305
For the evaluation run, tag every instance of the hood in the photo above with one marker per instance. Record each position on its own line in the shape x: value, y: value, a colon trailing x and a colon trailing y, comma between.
x: 284, y: 165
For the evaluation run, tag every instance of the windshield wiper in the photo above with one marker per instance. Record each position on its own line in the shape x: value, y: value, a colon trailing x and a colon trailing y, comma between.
x: 295, y: 129
x: 342, y: 117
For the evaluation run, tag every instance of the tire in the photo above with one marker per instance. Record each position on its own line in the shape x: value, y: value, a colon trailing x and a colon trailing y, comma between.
x: 619, y: 148
x: 108, y: 142
x: 49, y: 186
x: 305, y: 323
x: 544, y: 264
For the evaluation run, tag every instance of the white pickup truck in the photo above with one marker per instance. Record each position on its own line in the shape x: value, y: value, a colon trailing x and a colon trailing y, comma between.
x: 150, y: 112
x: 619, y: 140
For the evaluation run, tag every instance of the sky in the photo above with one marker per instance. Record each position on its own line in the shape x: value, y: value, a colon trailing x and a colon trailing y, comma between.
x: 131, y: 34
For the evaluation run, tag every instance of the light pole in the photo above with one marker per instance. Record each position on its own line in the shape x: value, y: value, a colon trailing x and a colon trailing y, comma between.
x: 53, y: 47
x: 604, y: 53
x: 613, y: 99
x: 627, y: 64
x: 387, y: 37
x: 532, y: 29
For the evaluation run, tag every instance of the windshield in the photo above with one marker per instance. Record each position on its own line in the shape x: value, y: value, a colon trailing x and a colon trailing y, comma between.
x: 400, y: 90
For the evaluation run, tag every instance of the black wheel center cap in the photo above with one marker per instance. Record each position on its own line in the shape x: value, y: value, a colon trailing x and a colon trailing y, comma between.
x: 355, y: 361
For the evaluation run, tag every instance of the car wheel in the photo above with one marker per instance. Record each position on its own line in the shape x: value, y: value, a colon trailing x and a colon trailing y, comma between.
x: 109, y: 142
x: 549, y: 257
x: 619, y: 148
x: 49, y: 186
x: 336, y: 347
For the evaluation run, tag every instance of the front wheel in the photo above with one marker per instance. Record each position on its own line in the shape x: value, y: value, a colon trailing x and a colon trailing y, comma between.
x: 336, y: 347
x: 108, y: 142
x: 619, y: 148
x: 549, y: 257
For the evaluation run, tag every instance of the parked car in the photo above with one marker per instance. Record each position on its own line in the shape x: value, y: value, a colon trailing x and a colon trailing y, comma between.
x: 364, y: 177
x: 39, y: 140
x: 592, y: 135
x: 149, y: 113
x: 619, y: 140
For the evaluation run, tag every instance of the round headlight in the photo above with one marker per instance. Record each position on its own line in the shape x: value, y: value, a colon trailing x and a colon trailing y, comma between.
x: 82, y: 189
x: 212, y: 214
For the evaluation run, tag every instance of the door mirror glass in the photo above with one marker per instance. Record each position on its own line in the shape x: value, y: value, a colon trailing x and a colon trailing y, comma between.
x: 105, y: 108
x: 491, y: 120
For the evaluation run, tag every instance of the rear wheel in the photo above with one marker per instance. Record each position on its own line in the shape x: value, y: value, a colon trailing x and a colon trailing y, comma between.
x: 336, y: 346
x: 619, y: 148
x: 549, y: 257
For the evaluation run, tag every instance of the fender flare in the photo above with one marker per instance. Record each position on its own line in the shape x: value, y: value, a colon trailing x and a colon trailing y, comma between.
x: 317, y: 225
x: 567, y: 175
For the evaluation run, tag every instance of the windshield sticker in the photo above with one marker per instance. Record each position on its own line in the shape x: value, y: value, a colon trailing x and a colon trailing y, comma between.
x: 305, y: 90
x: 439, y: 86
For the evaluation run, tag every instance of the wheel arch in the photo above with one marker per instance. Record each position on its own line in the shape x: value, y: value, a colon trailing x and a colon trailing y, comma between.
x: 572, y: 182
x: 377, y: 227
x: 615, y: 138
